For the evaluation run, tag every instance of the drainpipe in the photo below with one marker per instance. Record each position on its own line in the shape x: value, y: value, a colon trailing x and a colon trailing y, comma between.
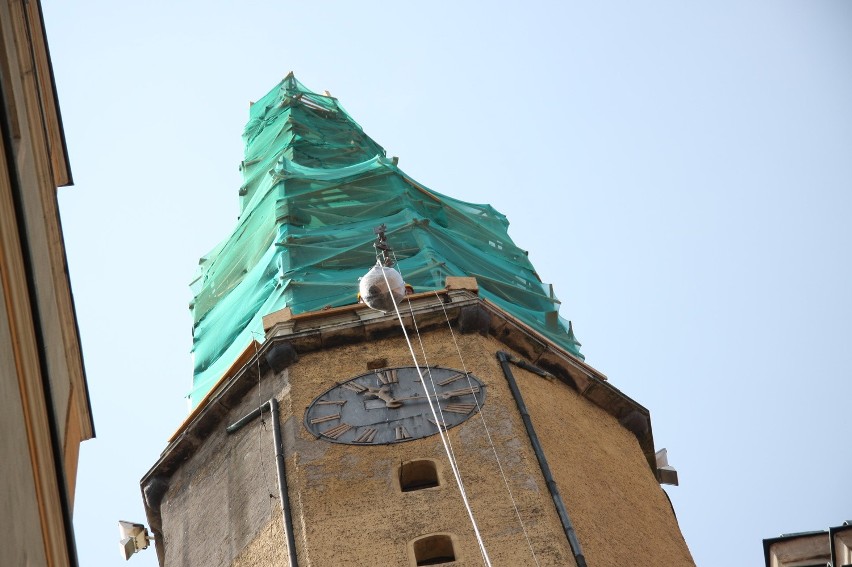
x: 542, y: 462
x: 272, y: 407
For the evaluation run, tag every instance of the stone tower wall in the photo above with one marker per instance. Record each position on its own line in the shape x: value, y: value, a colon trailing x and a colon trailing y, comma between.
x: 221, y: 507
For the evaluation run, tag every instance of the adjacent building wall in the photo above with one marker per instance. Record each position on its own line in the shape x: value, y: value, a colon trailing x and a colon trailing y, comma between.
x: 44, y: 404
x: 808, y: 549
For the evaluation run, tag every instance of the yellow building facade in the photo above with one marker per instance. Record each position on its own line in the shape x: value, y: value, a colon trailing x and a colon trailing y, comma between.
x: 44, y: 403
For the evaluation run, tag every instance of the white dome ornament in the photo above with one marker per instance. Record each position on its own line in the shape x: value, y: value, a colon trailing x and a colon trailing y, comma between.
x: 382, y: 288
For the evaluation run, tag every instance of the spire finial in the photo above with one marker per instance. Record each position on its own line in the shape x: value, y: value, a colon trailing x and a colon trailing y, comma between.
x: 381, y: 245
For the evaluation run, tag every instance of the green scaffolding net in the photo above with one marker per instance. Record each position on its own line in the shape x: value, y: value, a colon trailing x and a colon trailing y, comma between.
x: 315, y: 186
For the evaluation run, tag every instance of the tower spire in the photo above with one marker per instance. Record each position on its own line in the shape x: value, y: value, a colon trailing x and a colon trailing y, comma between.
x: 314, y: 188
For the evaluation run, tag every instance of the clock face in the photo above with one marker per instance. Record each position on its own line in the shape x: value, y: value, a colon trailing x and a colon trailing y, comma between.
x: 390, y: 405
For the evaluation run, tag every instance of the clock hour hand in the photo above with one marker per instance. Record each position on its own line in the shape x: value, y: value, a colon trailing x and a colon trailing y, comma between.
x: 383, y: 394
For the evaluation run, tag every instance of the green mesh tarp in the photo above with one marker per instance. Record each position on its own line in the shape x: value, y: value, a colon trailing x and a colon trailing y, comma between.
x: 315, y: 186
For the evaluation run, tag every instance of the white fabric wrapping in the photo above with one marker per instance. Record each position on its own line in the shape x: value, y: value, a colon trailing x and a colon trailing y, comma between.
x: 374, y: 288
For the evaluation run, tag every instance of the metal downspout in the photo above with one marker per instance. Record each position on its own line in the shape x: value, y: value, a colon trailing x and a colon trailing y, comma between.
x: 567, y: 527
x: 272, y: 407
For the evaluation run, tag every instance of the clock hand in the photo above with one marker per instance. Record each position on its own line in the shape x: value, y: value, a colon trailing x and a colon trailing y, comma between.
x: 419, y: 398
x: 443, y: 395
x: 383, y: 394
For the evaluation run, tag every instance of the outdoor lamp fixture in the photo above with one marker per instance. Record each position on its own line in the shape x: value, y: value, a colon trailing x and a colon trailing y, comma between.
x: 134, y: 538
x: 665, y: 474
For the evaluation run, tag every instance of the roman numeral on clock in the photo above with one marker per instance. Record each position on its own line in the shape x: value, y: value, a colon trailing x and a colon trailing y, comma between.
x: 330, y: 402
x: 354, y: 386
x: 325, y: 418
x: 461, y: 392
x: 459, y: 408
x: 336, y: 431
x: 387, y: 377
x: 366, y: 436
x: 402, y: 433
x: 451, y: 379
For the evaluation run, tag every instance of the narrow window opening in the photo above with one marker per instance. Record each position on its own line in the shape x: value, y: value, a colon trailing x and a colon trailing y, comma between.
x: 434, y: 550
x: 417, y: 475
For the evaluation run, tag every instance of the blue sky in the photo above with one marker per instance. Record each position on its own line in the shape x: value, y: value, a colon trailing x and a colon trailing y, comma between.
x: 680, y: 172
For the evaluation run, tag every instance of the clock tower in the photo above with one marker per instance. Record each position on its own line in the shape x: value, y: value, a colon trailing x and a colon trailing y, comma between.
x: 460, y: 427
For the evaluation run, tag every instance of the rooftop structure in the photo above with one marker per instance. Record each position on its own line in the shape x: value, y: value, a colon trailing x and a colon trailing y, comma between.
x: 832, y: 547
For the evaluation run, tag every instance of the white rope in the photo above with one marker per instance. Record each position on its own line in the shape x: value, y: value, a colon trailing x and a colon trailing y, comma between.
x: 439, y: 424
x: 478, y: 409
x: 488, y: 434
x: 452, y: 450
x: 431, y: 378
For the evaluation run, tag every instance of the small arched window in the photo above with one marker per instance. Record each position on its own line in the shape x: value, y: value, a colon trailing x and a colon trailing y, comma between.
x: 417, y: 475
x: 434, y: 550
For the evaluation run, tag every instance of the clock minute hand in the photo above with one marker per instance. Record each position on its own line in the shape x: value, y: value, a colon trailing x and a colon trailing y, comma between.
x: 443, y: 395
x: 416, y: 397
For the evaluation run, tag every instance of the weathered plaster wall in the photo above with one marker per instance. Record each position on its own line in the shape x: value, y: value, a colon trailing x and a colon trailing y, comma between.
x: 356, y: 515
x: 226, y: 493
x: 620, y: 512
